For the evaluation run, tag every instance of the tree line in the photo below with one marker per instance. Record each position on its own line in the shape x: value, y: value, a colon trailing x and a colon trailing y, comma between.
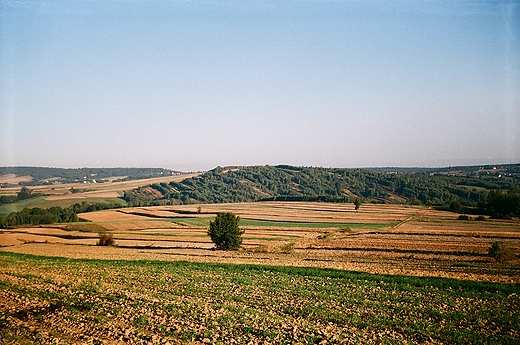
x: 503, y: 204
x: 55, y: 214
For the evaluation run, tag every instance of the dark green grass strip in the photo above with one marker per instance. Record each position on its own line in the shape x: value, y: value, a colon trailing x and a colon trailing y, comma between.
x: 245, y: 222
x: 441, y: 283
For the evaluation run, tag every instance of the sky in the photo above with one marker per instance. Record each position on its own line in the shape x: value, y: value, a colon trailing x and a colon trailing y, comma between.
x: 191, y: 85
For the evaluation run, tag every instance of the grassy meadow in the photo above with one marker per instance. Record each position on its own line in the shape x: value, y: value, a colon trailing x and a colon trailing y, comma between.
x: 52, y: 300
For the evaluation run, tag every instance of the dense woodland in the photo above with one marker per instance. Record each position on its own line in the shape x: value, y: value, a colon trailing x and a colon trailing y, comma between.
x: 458, y: 189
x: 42, y: 175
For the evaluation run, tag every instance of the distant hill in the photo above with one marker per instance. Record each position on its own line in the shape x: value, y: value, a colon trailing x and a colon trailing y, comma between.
x: 41, y: 175
x: 468, y: 186
x: 491, y: 190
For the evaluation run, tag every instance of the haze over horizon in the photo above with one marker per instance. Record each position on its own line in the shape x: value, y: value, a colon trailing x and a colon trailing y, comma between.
x: 191, y: 85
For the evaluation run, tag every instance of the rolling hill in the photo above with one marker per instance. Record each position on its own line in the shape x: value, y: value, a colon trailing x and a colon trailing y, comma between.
x: 468, y: 186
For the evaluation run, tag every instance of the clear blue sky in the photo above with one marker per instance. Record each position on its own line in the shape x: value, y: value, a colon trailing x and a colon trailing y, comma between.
x: 190, y: 85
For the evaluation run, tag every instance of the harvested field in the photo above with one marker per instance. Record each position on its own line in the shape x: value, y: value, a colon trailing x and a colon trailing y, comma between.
x: 60, y: 194
x: 377, y: 238
x: 13, y: 179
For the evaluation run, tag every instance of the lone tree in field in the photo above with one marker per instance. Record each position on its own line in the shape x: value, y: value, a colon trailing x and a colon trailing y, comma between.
x: 357, y: 203
x: 224, y: 231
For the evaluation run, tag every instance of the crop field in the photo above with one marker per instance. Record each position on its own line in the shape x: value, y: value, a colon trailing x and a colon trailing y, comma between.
x: 60, y: 194
x: 385, y: 239
x: 306, y: 273
x: 49, y: 300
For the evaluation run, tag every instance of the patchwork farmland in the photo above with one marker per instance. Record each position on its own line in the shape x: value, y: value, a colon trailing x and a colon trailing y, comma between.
x: 307, y: 273
x: 382, y: 239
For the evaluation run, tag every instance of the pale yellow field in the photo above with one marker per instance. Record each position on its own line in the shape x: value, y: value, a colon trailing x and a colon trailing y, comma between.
x: 13, y: 179
x: 108, y: 189
x: 300, y: 211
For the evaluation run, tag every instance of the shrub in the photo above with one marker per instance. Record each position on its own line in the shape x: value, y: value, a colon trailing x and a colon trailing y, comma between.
x: 480, y: 218
x: 500, y: 252
x: 357, y: 203
x: 106, y: 240
x: 463, y: 217
x: 283, y: 249
x: 455, y: 206
x: 224, y: 231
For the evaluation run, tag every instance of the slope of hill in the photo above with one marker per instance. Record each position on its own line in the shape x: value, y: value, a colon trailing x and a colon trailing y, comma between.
x: 468, y: 186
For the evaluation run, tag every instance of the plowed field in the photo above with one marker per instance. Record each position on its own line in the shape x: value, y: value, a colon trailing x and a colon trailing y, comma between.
x: 377, y: 238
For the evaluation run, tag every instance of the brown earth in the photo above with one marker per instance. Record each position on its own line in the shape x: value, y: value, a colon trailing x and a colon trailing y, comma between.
x: 385, y: 239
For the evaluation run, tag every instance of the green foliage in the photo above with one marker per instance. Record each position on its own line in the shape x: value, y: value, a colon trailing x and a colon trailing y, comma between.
x: 224, y: 231
x: 503, y: 204
x: 8, y: 199
x: 288, y: 183
x: 35, y: 216
x: 357, y: 203
x: 24, y: 194
x: 456, y: 206
x: 137, y: 198
x: 463, y: 217
x: 55, y: 214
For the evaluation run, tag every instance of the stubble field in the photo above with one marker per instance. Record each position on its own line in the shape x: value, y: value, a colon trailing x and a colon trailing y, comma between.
x: 306, y: 273
x: 376, y: 239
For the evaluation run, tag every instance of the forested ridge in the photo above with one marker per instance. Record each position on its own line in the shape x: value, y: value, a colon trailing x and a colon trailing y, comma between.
x: 449, y: 187
x: 44, y: 175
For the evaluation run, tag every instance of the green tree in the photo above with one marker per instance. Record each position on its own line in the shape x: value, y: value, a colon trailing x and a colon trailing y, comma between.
x: 456, y: 206
x: 357, y: 203
x: 24, y: 193
x: 224, y: 231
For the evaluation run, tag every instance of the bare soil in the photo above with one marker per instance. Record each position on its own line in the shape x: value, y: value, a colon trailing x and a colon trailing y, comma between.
x: 385, y: 239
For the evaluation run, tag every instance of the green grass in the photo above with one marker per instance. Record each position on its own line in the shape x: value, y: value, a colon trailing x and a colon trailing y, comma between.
x: 245, y: 222
x: 182, y: 301
x: 5, y: 209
